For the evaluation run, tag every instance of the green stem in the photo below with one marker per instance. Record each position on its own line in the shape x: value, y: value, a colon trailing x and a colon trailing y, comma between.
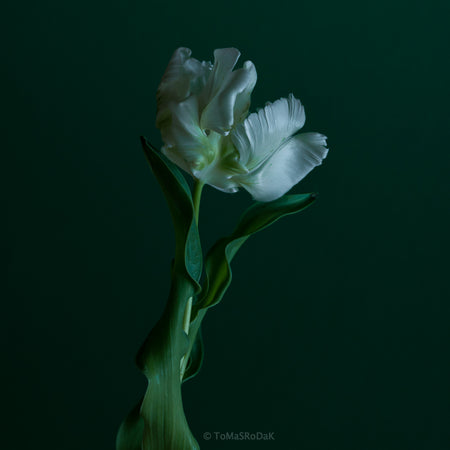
x: 198, y: 186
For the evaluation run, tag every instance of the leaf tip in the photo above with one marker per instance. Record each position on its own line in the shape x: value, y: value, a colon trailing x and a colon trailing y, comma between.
x: 143, y: 140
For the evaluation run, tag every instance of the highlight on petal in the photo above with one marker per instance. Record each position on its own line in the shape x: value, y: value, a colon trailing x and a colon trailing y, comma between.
x: 263, y: 132
x: 226, y: 96
x: 291, y: 163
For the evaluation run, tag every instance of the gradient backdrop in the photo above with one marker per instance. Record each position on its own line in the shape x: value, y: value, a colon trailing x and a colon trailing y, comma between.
x: 335, y: 332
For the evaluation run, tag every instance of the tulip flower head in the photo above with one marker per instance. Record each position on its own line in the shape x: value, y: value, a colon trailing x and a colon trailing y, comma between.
x: 203, y: 115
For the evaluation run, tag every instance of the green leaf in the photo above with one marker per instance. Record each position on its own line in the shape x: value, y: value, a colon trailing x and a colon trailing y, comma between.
x: 260, y: 215
x: 196, y: 354
x: 159, y: 422
x: 256, y: 218
x: 179, y: 198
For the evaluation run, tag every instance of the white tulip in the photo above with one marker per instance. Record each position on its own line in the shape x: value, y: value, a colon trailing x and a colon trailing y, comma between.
x: 204, y: 122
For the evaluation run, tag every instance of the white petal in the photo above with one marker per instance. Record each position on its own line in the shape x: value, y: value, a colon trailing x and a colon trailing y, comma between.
x: 183, y: 76
x: 262, y: 133
x: 231, y: 102
x: 292, y: 162
x: 173, y: 83
x: 216, y: 177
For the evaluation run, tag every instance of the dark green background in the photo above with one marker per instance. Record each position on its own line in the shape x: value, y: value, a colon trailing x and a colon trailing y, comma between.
x: 335, y: 332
